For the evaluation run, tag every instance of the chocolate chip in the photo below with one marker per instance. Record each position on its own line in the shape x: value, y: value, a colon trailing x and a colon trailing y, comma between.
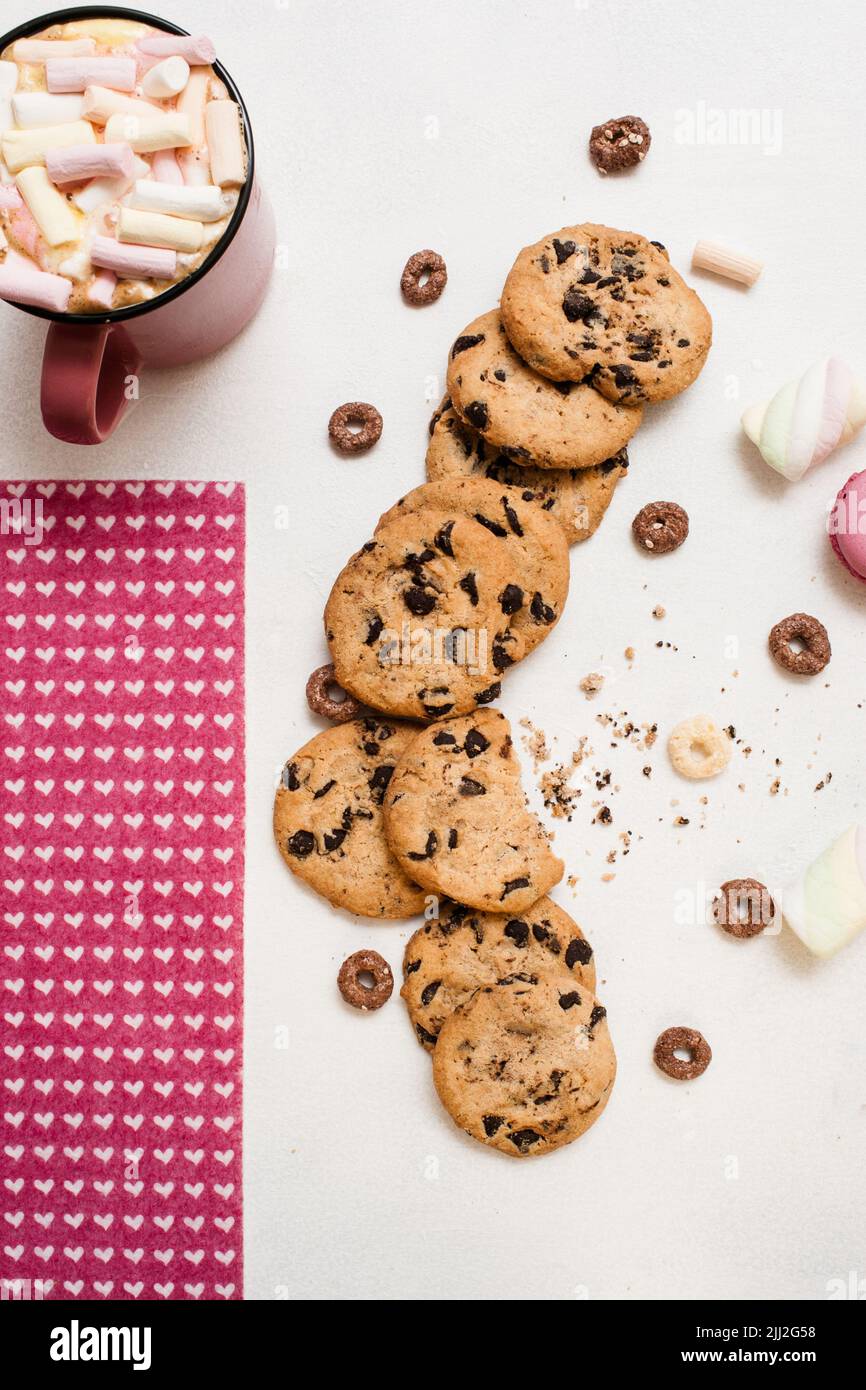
x: 577, y: 951
x: 323, y: 791
x: 378, y: 783
x: 289, y: 778
x: 492, y: 692
x: 444, y: 739
x: 469, y: 787
x: 334, y: 838
x: 468, y: 340
x: 452, y: 839
x: 511, y: 599
x: 491, y: 1124
x: 436, y: 711
x: 469, y: 586
x: 442, y: 539
x: 301, y: 844
x: 563, y: 250
x: 624, y: 376
x: 517, y: 931
x: 578, y: 307
x: 512, y: 518
x: 541, y: 611
x: 429, y: 849
x: 477, y: 414
x: 598, y: 1013
x: 428, y: 1039
x: 475, y: 743
x: 499, y: 374
x: 374, y: 628
x: 419, y: 601
x: 511, y: 885
x: 428, y: 993
x: 523, y: 1139
x: 568, y: 1001
x: 495, y: 527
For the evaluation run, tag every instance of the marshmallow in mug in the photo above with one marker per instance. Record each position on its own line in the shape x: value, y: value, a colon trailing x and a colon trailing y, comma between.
x: 808, y: 418
x: 826, y: 905
x: 122, y: 158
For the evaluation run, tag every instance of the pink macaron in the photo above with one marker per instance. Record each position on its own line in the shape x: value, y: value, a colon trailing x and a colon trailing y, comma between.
x: 846, y: 525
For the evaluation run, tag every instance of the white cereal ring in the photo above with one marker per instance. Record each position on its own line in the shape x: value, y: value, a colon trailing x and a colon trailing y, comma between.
x: 698, y: 749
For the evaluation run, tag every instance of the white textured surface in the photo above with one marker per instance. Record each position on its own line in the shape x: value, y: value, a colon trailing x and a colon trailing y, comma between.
x: 382, y: 128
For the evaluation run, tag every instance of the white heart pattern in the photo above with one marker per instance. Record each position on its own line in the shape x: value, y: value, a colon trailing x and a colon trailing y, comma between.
x: 122, y: 798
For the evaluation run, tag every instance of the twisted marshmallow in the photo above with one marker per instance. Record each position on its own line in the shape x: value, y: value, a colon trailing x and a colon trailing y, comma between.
x: 808, y: 418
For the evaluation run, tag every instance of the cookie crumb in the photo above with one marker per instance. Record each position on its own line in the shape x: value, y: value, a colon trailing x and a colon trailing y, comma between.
x: 592, y: 684
x: 659, y: 611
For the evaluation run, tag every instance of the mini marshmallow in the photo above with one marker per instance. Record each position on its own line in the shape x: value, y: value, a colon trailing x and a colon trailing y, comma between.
x: 32, y: 110
x: 826, y: 906
x: 156, y: 229
x: 34, y: 287
x: 165, y: 130
x: 808, y: 418
x: 195, y: 49
x: 101, y: 103
x: 223, y: 125
x: 23, y: 147
x: 9, y: 198
x: 192, y: 102
x: 8, y: 78
x: 52, y: 214
x: 203, y: 204
x: 195, y: 167
x: 75, y: 74
x: 149, y: 262
x: 165, y: 168
x: 40, y: 50
x: 79, y: 162
x: 102, y: 288
x: 167, y: 79
x: 102, y: 191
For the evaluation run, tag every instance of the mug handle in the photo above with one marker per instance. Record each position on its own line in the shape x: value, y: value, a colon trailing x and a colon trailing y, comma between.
x: 85, y: 374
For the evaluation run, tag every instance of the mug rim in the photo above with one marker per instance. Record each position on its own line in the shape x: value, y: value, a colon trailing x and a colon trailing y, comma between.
x: 131, y: 311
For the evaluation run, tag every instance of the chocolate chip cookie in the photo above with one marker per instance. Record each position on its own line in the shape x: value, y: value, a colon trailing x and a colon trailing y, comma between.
x: 457, y: 820
x: 577, y: 497
x: 328, y: 818
x: 593, y: 302
x: 460, y: 951
x: 535, y: 553
x: 525, y: 1066
x: 561, y: 424
x: 412, y: 619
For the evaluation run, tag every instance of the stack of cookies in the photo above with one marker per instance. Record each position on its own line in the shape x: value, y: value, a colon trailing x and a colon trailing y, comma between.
x: 412, y: 802
x: 545, y: 393
x: 390, y: 820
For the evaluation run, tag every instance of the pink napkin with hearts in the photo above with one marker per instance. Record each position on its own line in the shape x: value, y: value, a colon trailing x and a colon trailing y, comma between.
x: 122, y: 806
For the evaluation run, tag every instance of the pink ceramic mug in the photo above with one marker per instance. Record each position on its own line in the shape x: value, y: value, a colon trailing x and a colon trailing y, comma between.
x: 89, y: 357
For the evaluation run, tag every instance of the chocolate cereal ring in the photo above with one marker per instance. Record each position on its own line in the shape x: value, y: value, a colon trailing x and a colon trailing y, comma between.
x: 619, y: 144
x: 321, y: 701
x: 698, y: 749
x: 428, y: 263
x: 354, y: 427
x: 660, y: 527
x: 744, y: 907
x: 354, y: 991
x: 674, y: 1040
x: 811, y: 635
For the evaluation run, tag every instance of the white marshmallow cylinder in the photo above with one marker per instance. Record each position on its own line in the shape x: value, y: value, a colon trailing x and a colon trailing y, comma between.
x: 101, y: 103
x: 144, y: 262
x: 826, y: 906
x: 167, y: 79
x: 203, y: 204
x: 24, y: 147
x: 75, y: 74
x: 156, y: 229
x: 194, y: 48
x: 32, y: 110
x: 223, y: 126
x: 166, y: 130
x: 56, y: 220
x: 40, y: 50
x: 8, y: 83
x: 100, y: 191
x: 35, y: 287
x: 79, y: 162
